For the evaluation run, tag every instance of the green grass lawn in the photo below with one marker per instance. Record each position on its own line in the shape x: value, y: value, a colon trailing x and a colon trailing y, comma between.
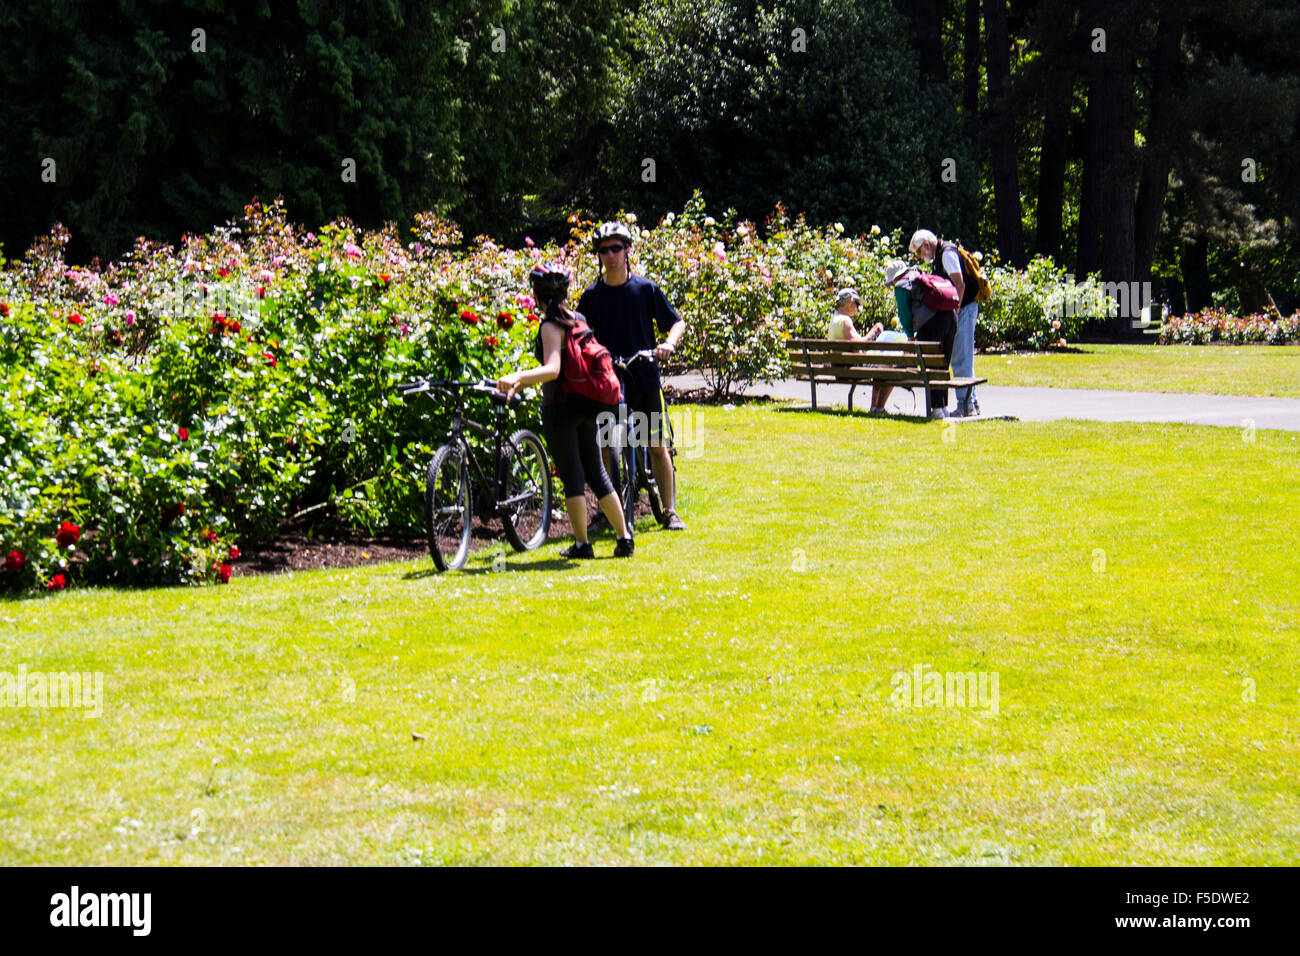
x: 725, y: 696
x: 1210, y: 369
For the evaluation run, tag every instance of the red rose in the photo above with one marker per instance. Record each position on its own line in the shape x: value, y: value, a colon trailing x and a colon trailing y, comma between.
x: 183, y: 434
x: 469, y: 317
x: 233, y: 553
x: 223, y: 573
x: 210, y: 535
x: 75, y: 319
x: 234, y: 326
x: 68, y: 535
x: 505, y: 320
x: 4, y: 309
x: 270, y: 359
x: 491, y: 342
x: 532, y: 318
x: 261, y: 292
x: 57, y: 583
x: 172, y: 512
x: 15, y: 561
x: 223, y: 272
x: 383, y: 278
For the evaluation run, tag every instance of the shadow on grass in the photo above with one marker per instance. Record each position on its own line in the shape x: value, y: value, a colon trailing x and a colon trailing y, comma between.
x: 835, y: 411
x: 550, y: 564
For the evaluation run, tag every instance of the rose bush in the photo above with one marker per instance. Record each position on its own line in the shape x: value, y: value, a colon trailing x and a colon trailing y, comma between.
x: 1219, y: 325
x: 184, y: 400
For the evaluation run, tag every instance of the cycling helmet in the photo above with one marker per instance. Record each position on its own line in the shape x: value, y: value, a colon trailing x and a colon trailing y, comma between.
x: 550, y: 281
x: 611, y: 230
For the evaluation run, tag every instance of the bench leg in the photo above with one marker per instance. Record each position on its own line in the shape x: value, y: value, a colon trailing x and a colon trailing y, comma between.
x: 814, y: 394
x: 852, y: 389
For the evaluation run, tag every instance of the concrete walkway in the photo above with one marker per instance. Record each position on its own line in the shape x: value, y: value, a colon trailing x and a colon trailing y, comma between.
x: 1048, y: 404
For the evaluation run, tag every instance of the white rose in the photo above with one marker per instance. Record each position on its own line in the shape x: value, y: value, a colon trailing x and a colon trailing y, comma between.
x: 741, y: 230
x: 977, y: 256
x: 710, y: 221
x: 668, y: 219
x: 875, y: 230
x: 839, y: 227
x: 630, y: 217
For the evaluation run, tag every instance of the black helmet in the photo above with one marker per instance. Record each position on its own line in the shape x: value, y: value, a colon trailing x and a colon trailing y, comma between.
x: 611, y: 230
x: 550, y: 281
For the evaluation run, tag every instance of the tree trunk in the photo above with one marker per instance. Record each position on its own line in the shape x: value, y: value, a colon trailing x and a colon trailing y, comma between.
x: 1161, y: 136
x: 1195, y: 261
x: 971, y: 58
x: 1006, y: 179
x: 1058, y: 100
x: 1087, y: 257
x: 1118, y: 256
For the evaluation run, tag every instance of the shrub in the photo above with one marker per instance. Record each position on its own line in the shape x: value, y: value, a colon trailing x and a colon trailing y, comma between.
x: 1219, y: 325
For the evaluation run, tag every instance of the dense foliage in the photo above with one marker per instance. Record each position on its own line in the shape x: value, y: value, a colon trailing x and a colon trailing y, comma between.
x: 184, y: 400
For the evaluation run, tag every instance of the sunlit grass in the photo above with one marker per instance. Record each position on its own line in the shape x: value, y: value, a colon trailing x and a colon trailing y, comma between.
x: 1212, y: 369
x: 724, y: 697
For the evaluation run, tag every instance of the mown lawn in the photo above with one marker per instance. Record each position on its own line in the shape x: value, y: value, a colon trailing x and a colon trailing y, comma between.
x: 1210, y: 369
x: 725, y: 697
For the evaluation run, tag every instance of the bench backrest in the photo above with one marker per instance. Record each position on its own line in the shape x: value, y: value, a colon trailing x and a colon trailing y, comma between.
x: 837, y: 358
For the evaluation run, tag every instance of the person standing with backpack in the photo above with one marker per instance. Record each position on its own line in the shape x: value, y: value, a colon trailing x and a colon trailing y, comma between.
x: 931, y: 301
x: 954, y: 262
x: 578, y: 384
x: 625, y: 310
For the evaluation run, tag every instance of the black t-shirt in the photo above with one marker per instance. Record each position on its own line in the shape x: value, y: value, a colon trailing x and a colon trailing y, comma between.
x: 624, y: 318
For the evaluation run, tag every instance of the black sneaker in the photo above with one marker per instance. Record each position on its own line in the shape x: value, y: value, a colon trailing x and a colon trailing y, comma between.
x: 624, y: 548
x: 672, y: 522
x: 578, y: 552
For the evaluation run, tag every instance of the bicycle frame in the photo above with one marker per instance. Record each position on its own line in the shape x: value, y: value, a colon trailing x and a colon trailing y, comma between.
x: 459, y: 426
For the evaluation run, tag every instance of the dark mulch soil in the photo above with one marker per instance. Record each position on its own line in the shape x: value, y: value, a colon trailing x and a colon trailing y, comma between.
x: 329, y: 543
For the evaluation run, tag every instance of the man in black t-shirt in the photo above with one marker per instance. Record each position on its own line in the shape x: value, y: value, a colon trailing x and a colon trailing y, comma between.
x: 626, y: 311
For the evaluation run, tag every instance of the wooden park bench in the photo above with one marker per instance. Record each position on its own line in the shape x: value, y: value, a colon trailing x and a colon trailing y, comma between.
x: 900, y: 364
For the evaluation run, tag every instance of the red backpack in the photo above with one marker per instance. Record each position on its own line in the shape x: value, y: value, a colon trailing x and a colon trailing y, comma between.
x: 939, y: 293
x: 586, y: 367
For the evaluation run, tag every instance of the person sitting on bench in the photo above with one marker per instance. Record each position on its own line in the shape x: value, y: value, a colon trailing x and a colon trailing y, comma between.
x: 841, y: 329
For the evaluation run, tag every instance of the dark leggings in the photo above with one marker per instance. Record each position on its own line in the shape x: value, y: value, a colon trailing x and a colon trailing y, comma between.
x: 941, y: 328
x: 570, y: 429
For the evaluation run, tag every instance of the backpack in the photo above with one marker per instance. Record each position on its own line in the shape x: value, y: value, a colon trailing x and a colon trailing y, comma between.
x: 586, y: 367
x: 937, y: 293
x: 972, y: 273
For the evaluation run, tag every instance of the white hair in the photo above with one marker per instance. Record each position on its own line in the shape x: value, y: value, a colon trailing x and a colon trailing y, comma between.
x: 920, y: 237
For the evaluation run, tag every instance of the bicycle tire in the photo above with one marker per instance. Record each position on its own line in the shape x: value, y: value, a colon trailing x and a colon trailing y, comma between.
x: 652, y: 486
x: 527, y: 471
x: 448, y: 518
x: 626, y: 486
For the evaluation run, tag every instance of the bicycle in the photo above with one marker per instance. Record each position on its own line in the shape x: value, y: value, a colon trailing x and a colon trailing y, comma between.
x: 518, y: 491
x: 631, y: 471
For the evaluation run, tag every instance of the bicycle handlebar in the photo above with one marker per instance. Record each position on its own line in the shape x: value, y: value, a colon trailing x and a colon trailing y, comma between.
x: 486, y: 386
x: 625, y: 362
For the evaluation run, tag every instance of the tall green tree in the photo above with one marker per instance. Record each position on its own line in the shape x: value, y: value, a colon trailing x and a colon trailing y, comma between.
x: 816, y: 105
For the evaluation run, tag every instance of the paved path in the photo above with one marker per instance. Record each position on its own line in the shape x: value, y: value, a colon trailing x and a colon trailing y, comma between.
x: 1047, y: 404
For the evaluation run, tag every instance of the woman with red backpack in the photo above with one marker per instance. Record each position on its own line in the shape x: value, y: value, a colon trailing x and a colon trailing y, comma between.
x: 574, y: 392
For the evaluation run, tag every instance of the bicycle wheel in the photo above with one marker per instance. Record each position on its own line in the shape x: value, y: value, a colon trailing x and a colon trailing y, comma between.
x: 526, y: 508
x: 627, y: 483
x: 447, y: 514
x: 647, y: 481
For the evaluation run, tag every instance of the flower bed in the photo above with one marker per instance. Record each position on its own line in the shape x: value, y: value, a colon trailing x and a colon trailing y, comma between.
x: 1219, y: 325
x: 185, y: 400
